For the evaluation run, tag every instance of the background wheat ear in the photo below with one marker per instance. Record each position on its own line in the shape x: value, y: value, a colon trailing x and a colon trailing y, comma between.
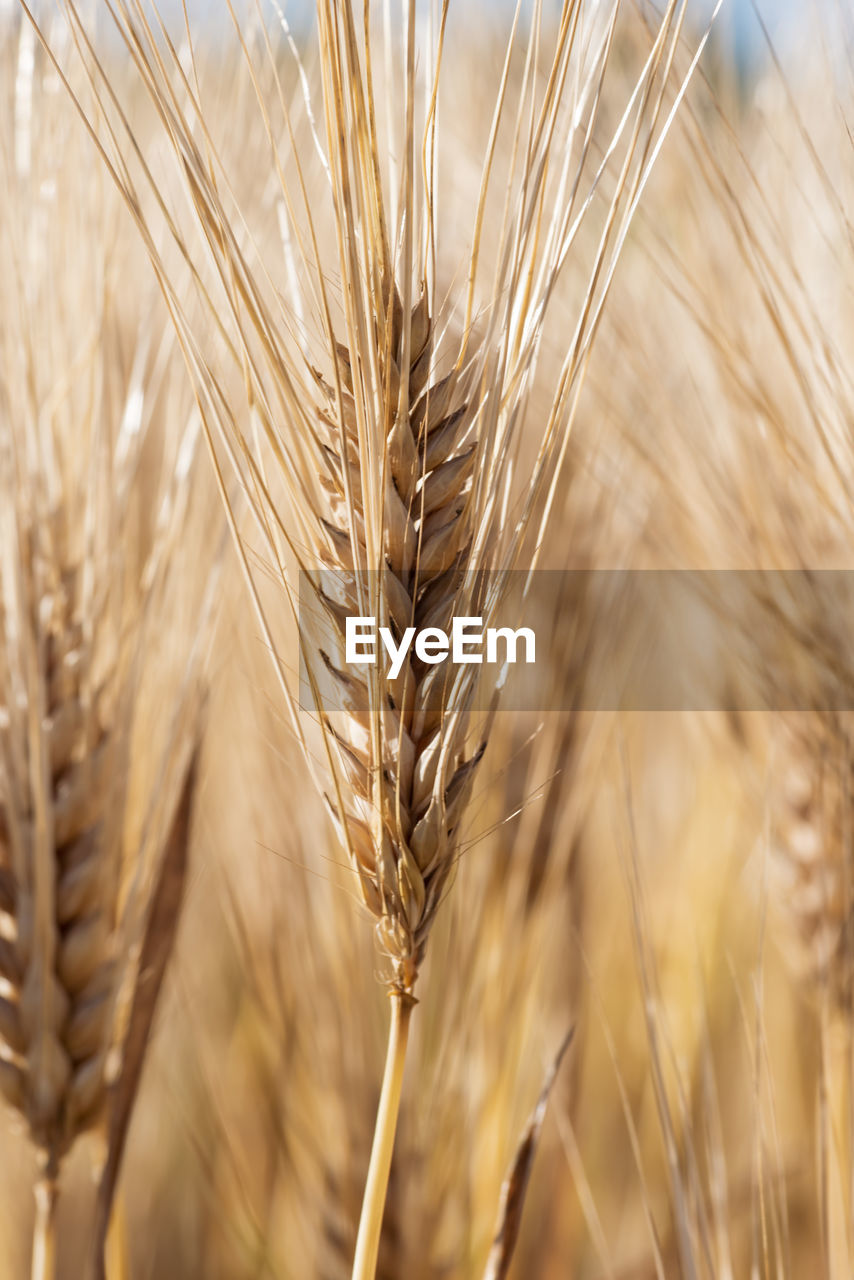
x: 811, y: 810
x: 762, y: 394
x: 98, y: 721
x: 83, y: 923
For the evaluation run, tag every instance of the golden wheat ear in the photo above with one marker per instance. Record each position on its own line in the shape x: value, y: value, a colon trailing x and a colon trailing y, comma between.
x: 366, y: 450
x: 403, y: 841
x: 365, y: 444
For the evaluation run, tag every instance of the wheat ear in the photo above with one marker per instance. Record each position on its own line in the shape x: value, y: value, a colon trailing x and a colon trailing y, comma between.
x: 73, y: 905
x: 408, y: 476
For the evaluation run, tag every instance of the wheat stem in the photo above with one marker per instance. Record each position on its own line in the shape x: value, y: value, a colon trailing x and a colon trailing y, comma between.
x: 118, y: 1249
x: 44, y: 1229
x: 373, y: 1204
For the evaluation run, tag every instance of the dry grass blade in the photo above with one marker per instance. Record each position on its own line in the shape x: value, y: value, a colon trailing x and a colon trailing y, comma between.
x: 157, y: 946
x: 516, y: 1183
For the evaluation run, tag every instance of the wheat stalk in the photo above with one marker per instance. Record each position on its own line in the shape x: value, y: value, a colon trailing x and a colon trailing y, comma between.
x: 367, y: 456
x: 86, y: 926
x: 74, y: 899
x: 765, y: 371
x: 423, y: 497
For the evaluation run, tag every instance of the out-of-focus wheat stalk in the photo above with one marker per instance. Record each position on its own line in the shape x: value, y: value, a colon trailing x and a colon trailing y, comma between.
x: 392, y: 457
x: 93, y: 833
x: 762, y: 396
x: 782, y: 383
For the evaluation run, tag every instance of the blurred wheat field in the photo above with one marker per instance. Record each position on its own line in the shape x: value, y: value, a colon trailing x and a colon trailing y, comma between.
x: 670, y: 887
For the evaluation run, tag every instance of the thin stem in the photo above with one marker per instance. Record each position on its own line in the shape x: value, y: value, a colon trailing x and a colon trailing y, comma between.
x: 373, y: 1205
x: 118, y: 1253
x: 44, y: 1230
